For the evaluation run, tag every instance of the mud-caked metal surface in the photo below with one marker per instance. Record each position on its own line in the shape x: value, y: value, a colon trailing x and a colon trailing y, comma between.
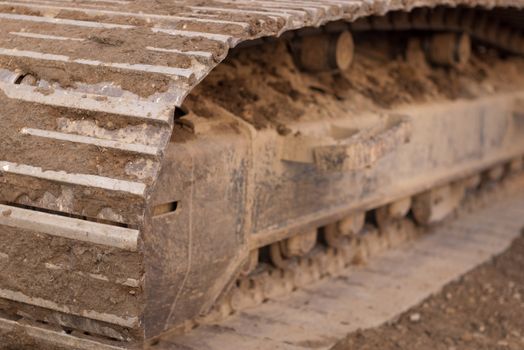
x: 112, y: 225
x: 366, y: 296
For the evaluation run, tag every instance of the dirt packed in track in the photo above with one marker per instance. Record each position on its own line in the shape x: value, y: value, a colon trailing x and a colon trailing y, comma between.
x: 482, y: 311
x: 263, y: 85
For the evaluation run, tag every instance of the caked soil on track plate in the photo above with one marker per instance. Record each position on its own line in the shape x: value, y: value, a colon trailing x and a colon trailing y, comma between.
x: 263, y: 85
x: 484, y: 310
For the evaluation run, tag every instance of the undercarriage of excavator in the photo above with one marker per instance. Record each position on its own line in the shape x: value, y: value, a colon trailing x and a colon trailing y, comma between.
x: 165, y: 166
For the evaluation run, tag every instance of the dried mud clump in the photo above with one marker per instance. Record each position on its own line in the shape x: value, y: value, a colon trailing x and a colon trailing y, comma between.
x: 263, y: 86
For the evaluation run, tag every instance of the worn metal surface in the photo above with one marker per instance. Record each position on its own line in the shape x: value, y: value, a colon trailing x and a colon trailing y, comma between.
x: 85, y: 156
x: 268, y: 199
x: 366, y: 297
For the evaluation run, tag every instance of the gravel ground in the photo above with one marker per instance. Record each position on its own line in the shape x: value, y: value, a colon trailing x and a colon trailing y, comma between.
x: 483, y: 310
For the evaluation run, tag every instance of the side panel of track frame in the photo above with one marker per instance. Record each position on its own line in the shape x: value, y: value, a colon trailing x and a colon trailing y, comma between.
x: 256, y: 188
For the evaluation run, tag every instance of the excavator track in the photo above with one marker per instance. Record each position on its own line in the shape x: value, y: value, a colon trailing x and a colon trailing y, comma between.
x: 269, y: 282
x: 349, y: 294
x: 135, y: 200
x: 394, y: 279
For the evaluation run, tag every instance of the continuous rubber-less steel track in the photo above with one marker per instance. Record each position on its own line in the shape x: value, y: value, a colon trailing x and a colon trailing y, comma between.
x: 91, y: 170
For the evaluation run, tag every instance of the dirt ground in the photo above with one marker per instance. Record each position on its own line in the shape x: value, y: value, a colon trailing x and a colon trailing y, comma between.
x: 484, y: 310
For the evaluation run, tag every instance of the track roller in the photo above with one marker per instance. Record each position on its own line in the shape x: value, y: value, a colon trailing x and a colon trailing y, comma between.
x: 293, y: 247
x: 414, y: 53
x: 349, y: 226
x: 434, y: 205
x: 324, y: 52
x: 448, y: 49
x: 392, y: 212
x: 300, y: 244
